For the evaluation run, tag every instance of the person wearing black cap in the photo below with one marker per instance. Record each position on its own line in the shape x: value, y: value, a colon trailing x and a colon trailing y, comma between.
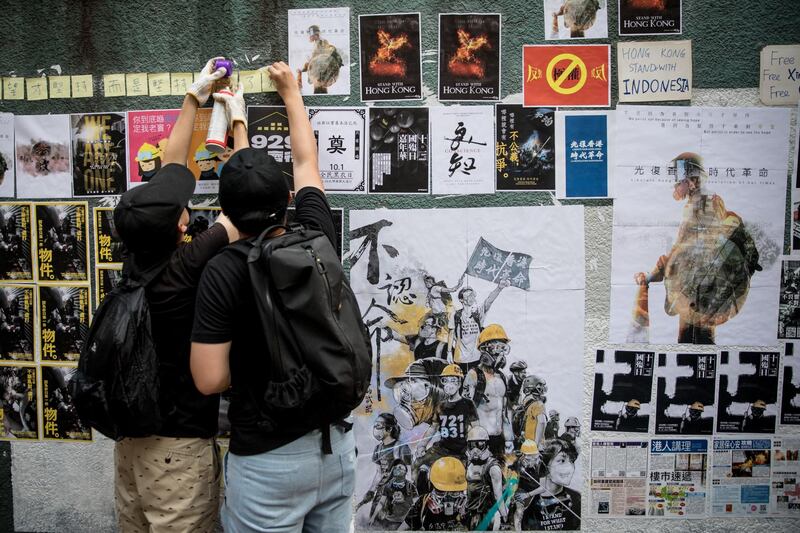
x: 276, y: 479
x: 169, y: 481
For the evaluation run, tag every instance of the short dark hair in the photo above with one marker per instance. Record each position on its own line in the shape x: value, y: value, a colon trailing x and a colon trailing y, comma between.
x: 551, y: 448
x: 391, y: 424
x: 462, y: 291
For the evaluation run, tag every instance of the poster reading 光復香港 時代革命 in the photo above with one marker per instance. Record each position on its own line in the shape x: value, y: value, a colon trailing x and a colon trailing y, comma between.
x: 469, y: 57
x: 623, y: 383
x: 98, y: 154
x: 462, y: 150
x: 62, y: 241
x: 747, y: 398
x: 319, y: 49
x: 584, y: 154
x: 525, y: 148
x: 63, y: 322
x: 17, y: 308
x: 43, y: 165
x: 470, y: 302
x: 16, y: 240
x: 342, y: 146
x: 699, y: 207
x: 678, y: 480
x: 575, y: 19
x: 60, y: 419
x: 398, y: 156
x: 19, y: 398
x: 268, y: 128
x: 685, y: 402
x: 650, y: 17
x: 390, y: 56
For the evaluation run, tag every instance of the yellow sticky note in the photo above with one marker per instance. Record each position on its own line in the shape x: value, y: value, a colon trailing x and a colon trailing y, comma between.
x: 180, y: 82
x: 266, y: 82
x: 59, y: 86
x: 13, y: 88
x: 136, y: 84
x: 82, y: 86
x: 158, y: 84
x: 36, y: 88
x: 114, y: 85
x: 251, y: 79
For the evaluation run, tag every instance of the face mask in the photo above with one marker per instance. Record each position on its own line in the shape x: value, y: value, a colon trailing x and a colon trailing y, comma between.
x: 631, y: 411
x: 446, y: 503
x: 378, y: 434
x: 450, y: 389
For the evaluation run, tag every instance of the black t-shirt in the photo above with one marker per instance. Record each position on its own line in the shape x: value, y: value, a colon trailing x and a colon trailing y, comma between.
x: 454, y: 420
x: 419, y: 518
x: 171, y: 296
x: 226, y: 312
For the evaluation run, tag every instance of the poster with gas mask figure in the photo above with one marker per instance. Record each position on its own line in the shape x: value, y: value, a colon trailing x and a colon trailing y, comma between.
x: 16, y: 242
x: 747, y: 395
x: 107, y: 242
x: 699, y: 216
x: 62, y: 234
x: 476, y: 345
x: 685, y: 393
x: 623, y: 383
x: 59, y: 415
x: 63, y: 322
x: 17, y: 308
x: 19, y: 419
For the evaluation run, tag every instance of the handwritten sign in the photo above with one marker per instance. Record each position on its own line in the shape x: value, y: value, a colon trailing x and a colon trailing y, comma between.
x: 59, y: 86
x: 158, y: 84
x: 136, y: 84
x: 251, y: 80
x: 36, y: 88
x: 13, y: 88
x: 114, y: 85
x: 82, y: 86
x: 266, y: 82
x: 654, y: 71
x: 780, y: 74
x: 180, y: 83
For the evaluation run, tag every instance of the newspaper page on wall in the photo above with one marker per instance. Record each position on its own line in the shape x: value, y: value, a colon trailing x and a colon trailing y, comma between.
x: 740, y: 476
x: 785, y: 496
x: 698, y: 224
x: 445, y: 316
x: 618, y: 482
x: 678, y: 478
x: 623, y: 385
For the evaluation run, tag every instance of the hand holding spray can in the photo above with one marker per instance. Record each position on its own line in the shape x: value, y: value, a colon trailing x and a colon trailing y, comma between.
x: 217, y: 137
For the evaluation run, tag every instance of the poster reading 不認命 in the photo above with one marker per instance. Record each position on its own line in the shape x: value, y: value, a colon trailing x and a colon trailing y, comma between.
x: 740, y: 476
x: 17, y: 308
x: 623, y: 383
x: 426, y: 303
x: 747, y: 399
x: 685, y: 393
x: 16, y: 240
x: 319, y: 49
x: 98, y: 154
x: 398, y: 156
x: 700, y: 197
x: 525, y: 148
x: 390, y: 57
x: 342, y: 146
x: 469, y: 57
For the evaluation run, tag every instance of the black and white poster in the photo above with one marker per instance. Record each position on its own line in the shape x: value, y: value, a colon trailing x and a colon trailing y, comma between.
x: 789, y: 300
x: 525, y: 148
x: 17, y: 308
x: 268, y: 128
x: 650, y: 17
x: 107, y: 243
x: 59, y: 416
x: 469, y: 57
x: 398, y: 156
x: 685, y: 393
x: 790, y: 399
x: 63, y: 322
x: 16, y: 242
x: 391, y: 61
x: 19, y: 399
x: 98, y: 154
x: 747, y: 392
x: 62, y: 235
x: 342, y: 147
x: 623, y: 383
x: 462, y: 154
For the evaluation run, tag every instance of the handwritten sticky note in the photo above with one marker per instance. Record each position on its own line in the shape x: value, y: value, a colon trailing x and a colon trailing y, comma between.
x: 59, y: 86
x: 82, y: 86
x: 136, y: 84
x: 266, y: 82
x: 13, y: 88
x: 180, y: 83
x: 654, y: 71
x: 780, y: 74
x: 158, y: 84
x: 114, y: 85
x: 36, y: 88
x: 251, y: 79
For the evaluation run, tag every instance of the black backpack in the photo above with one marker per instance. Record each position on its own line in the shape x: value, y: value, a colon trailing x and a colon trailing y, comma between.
x: 318, y: 346
x: 116, y: 385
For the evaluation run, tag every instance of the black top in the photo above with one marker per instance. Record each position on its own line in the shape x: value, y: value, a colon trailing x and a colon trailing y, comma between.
x: 226, y: 312
x: 171, y: 296
x: 455, y: 419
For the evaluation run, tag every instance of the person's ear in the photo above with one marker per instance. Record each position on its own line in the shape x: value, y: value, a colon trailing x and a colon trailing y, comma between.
x: 182, y: 227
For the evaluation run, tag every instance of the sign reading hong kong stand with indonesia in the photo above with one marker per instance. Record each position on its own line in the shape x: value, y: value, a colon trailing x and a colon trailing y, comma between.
x: 566, y: 75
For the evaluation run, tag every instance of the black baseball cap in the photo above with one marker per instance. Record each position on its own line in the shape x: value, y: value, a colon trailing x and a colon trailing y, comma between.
x: 253, y: 191
x: 147, y: 216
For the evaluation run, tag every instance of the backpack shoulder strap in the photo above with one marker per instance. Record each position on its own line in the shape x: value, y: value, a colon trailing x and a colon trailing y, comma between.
x: 480, y: 386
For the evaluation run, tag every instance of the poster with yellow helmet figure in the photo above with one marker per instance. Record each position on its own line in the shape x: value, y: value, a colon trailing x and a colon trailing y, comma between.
x: 148, y: 132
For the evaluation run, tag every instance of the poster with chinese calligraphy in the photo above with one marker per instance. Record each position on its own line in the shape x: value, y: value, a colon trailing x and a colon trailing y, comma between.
x: 63, y: 322
x: 19, y: 400
x: 107, y: 278
x: 17, y: 308
x: 200, y: 219
x: 462, y: 150
x: 319, y: 49
x: 62, y: 248
x: 789, y: 300
x: 425, y: 306
x: 59, y: 416
x: 700, y: 199
x: 525, y: 148
x: 107, y: 243
x: 785, y: 494
x: 571, y: 19
x: 685, y: 393
x: 16, y: 241
x: 585, y: 154
x: 148, y: 132
x: 338, y: 225
x: 390, y: 57
x: 268, y: 128
x: 342, y: 146
x: 618, y: 482
x: 469, y: 57
x: 790, y: 397
x: 43, y: 164
x: 398, y: 156
x: 650, y: 17
x: 623, y: 383
x: 740, y: 477
x: 747, y: 399
x: 98, y: 154
x: 575, y: 75
x: 678, y: 478
x: 6, y: 155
